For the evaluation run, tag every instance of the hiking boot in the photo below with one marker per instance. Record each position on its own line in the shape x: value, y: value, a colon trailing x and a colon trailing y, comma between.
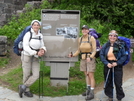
x: 86, y: 93
x: 109, y: 99
x: 90, y: 96
x: 28, y: 94
x: 22, y: 89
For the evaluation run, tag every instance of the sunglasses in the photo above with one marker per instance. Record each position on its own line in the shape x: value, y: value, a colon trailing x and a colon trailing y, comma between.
x: 113, y: 35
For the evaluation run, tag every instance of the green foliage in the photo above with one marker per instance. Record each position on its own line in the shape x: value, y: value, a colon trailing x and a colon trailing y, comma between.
x: 3, y: 62
x: 13, y: 78
x: 133, y: 54
x: 16, y: 25
x: 75, y: 73
x: 99, y: 71
x: 45, y: 5
x: 101, y: 15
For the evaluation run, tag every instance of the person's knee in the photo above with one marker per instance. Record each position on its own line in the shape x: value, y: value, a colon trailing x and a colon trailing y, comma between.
x: 91, y: 75
x: 35, y: 77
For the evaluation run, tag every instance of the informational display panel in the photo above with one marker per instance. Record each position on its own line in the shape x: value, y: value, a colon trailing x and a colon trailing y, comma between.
x: 132, y: 43
x: 60, y: 29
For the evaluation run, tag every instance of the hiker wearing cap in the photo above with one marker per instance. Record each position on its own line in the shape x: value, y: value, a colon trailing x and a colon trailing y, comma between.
x: 87, y: 49
x: 113, y: 58
x: 32, y: 49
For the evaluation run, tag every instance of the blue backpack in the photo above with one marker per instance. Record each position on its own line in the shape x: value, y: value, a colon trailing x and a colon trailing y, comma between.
x: 17, y: 48
x: 125, y: 42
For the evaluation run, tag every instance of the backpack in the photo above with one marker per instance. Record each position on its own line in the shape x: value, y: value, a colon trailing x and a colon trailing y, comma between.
x: 96, y: 35
x: 125, y: 42
x: 97, y: 50
x: 18, y: 47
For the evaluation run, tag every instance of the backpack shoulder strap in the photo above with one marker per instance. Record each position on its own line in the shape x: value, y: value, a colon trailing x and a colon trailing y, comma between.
x: 81, y: 39
x: 30, y: 35
x: 39, y: 38
x: 89, y: 37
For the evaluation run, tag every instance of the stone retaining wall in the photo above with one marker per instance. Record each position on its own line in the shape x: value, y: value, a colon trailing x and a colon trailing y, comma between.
x: 3, y: 45
x: 10, y: 7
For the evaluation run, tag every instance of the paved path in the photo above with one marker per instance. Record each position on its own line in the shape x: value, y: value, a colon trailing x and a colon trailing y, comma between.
x: 9, y: 95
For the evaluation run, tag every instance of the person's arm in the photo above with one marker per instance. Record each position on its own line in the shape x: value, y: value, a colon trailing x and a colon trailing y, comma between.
x: 78, y: 50
x: 123, y: 56
x: 103, y: 55
x: 42, y: 44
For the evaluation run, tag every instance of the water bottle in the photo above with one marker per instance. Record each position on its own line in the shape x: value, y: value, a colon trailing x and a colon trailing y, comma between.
x: 126, y: 52
x: 20, y: 46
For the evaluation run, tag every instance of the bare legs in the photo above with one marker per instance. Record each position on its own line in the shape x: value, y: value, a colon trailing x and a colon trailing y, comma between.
x: 90, y: 79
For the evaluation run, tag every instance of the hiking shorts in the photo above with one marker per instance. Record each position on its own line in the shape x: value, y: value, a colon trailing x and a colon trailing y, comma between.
x: 87, y: 66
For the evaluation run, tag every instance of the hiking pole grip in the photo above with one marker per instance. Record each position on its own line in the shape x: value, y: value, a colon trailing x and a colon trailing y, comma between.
x: 71, y: 54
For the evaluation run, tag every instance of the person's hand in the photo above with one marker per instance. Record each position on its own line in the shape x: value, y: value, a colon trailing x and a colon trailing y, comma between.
x: 70, y: 55
x: 109, y: 65
x: 41, y: 52
x: 114, y: 64
x: 88, y: 59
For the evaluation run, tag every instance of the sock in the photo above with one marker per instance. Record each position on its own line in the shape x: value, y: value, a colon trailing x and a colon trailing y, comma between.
x: 88, y: 87
x: 92, y: 88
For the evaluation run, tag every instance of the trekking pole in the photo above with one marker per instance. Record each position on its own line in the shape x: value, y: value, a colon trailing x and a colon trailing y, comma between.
x: 42, y: 84
x: 39, y: 84
x: 68, y: 70
x: 39, y: 81
x: 113, y: 80
x: 41, y: 74
x: 105, y: 83
x: 86, y: 82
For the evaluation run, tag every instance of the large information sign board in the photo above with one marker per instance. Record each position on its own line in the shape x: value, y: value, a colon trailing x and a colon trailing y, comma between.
x: 60, y: 29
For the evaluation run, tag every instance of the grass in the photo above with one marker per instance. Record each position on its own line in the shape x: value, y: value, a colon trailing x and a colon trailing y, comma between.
x: 133, y: 55
x: 76, y: 81
x: 3, y: 62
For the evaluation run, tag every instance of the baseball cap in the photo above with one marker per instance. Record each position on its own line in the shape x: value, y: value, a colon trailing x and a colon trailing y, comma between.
x: 85, y: 26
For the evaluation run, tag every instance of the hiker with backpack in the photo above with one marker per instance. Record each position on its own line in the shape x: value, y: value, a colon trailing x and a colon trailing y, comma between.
x: 113, y: 56
x: 87, y: 49
x: 33, y: 48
